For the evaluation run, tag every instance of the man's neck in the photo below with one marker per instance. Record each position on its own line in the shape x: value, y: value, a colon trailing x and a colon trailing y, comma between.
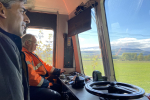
x: 3, y: 26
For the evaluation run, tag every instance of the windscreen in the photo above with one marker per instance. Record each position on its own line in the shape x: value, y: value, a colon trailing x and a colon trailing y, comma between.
x: 128, y: 24
x: 90, y: 48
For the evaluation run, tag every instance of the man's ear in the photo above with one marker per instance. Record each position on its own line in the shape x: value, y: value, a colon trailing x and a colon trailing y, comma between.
x: 27, y: 43
x: 2, y: 11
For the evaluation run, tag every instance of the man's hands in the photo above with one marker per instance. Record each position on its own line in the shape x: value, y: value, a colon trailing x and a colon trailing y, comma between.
x: 50, y: 84
x: 62, y: 71
x: 49, y: 87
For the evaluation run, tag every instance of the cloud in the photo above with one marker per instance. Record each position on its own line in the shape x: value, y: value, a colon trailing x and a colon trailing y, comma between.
x: 88, y: 45
x: 131, y: 43
x: 90, y: 49
x: 81, y: 39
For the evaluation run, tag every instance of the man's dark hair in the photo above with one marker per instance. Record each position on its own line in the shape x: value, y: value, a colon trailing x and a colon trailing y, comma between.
x: 8, y: 3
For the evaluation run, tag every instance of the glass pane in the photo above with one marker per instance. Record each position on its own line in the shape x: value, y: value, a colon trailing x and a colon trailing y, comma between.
x: 90, y: 51
x: 129, y: 31
x: 45, y: 43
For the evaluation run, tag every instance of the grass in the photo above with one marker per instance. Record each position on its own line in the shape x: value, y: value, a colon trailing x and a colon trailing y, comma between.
x: 89, y: 67
x: 131, y: 72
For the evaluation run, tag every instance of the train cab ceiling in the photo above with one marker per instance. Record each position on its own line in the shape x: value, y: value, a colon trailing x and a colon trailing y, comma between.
x: 53, y: 6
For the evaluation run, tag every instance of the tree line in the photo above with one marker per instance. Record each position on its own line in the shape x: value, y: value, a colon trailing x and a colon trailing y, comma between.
x: 132, y: 57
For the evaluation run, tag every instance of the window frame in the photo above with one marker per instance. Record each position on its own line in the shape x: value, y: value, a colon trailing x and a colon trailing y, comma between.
x: 104, y: 41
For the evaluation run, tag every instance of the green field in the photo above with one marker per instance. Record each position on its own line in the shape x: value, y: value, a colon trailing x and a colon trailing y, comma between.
x: 132, y: 72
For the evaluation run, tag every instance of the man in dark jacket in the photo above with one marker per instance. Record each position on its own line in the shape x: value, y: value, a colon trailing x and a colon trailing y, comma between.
x: 13, y: 69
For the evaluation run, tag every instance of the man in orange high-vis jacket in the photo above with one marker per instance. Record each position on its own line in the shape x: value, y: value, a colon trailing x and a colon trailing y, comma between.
x: 40, y: 88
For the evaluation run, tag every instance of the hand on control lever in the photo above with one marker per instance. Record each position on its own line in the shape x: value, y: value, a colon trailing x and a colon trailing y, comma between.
x: 49, y: 87
x: 50, y: 84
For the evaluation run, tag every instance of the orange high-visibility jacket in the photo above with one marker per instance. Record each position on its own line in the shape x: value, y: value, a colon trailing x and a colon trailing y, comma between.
x: 37, y: 69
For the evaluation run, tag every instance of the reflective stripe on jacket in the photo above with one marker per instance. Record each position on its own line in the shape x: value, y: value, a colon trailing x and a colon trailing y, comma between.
x: 37, y: 68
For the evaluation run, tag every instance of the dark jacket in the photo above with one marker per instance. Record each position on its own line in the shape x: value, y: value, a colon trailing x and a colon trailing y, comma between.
x: 13, y: 69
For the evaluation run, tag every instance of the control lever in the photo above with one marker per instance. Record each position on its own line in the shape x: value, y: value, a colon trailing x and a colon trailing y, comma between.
x: 70, y: 83
x: 78, y: 82
x: 62, y: 76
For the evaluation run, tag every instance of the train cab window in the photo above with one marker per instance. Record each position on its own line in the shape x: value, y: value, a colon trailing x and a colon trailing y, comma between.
x: 45, y: 43
x: 90, y: 49
x: 128, y: 24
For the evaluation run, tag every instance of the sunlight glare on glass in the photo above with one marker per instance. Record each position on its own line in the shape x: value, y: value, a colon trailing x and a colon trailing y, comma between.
x: 42, y: 35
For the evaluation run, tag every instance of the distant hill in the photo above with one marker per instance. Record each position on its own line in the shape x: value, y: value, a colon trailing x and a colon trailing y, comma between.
x: 129, y: 50
x: 91, y: 51
x: 96, y: 51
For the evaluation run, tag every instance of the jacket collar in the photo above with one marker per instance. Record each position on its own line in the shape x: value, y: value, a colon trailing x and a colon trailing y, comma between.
x: 16, y: 39
x: 25, y: 50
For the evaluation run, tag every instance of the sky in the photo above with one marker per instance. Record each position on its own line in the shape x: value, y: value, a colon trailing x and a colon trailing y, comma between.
x: 89, y: 39
x: 128, y: 25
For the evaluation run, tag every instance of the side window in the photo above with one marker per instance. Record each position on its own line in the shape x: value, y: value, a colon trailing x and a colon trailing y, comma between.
x: 90, y: 49
x: 128, y: 24
x: 45, y: 43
